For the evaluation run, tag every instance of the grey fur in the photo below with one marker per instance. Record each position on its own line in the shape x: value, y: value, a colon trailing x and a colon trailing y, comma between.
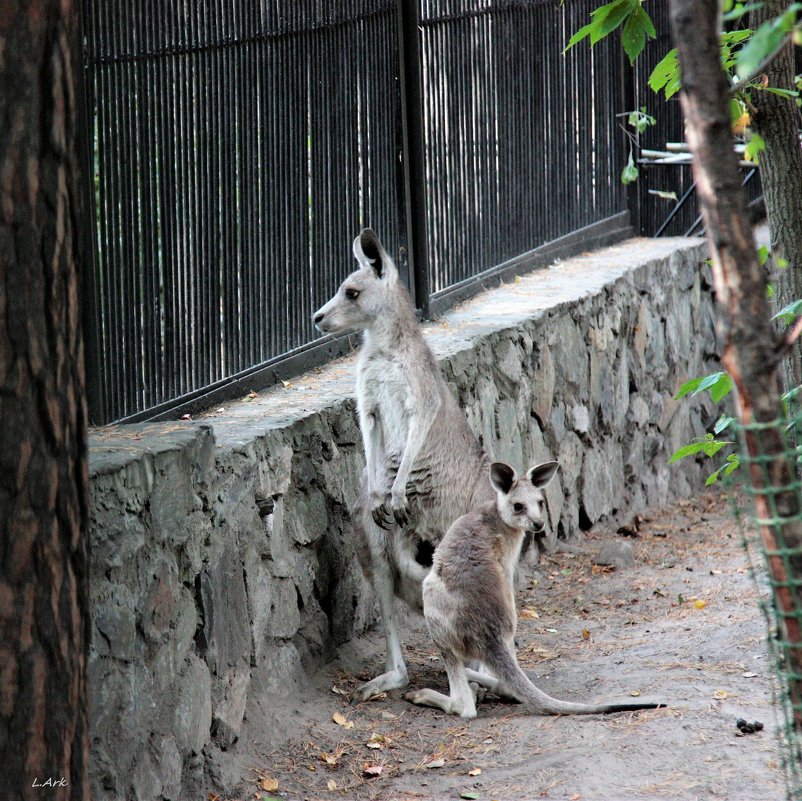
x: 424, y: 465
x: 469, y: 601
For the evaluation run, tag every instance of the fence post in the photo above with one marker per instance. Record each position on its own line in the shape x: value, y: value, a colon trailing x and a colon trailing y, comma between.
x: 413, y: 150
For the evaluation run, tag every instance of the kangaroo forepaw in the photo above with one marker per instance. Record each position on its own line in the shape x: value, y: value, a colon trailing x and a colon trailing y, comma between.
x: 381, y: 517
x: 401, y: 516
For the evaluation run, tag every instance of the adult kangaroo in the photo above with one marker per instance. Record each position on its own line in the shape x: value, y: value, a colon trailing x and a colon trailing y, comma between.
x: 424, y: 466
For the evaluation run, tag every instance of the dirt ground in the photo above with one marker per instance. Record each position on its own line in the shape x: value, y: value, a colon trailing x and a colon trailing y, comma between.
x: 682, y: 625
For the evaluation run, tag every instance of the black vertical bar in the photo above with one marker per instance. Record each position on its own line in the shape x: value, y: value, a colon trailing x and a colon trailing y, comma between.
x: 90, y: 313
x: 413, y: 151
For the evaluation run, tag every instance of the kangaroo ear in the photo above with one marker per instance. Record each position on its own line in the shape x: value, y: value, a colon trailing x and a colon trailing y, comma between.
x: 369, y: 253
x: 502, y: 477
x: 541, y: 474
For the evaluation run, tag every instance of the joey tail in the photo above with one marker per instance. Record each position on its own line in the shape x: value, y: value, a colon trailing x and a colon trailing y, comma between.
x: 516, y: 684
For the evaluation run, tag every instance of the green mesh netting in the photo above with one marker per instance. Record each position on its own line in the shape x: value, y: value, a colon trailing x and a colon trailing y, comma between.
x: 776, y: 510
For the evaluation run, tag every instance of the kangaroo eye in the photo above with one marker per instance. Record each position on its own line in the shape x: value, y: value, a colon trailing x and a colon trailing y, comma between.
x: 352, y: 294
x: 518, y: 508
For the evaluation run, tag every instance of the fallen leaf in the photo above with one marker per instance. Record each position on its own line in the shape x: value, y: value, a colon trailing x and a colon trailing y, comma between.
x: 475, y: 772
x: 518, y: 279
x: 376, y: 741
x: 329, y: 759
x: 700, y: 604
x: 585, y: 634
x: 528, y: 614
x: 287, y: 384
x: 469, y: 794
x: 341, y: 720
x: 720, y: 694
x: 435, y: 763
x: 331, y: 784
x: 269, y: 784
x: 339, y: 691
x: 551, y: 631
x: 575, y: 797
x: 372, y: 770
x: 634, y: 693
x: 378, y: 697
x: 213, y: 797
x: 749, y: 674
x: 186, y: 416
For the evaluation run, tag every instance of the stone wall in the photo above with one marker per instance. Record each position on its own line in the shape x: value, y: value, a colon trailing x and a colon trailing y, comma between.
x: 222, y: 558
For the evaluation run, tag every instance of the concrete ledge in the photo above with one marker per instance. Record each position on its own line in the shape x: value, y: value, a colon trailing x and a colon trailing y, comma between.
x: 223, y: 563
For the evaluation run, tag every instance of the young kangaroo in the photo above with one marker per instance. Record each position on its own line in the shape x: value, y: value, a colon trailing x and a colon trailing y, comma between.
x: 424, y: 465
x: 469, y: 601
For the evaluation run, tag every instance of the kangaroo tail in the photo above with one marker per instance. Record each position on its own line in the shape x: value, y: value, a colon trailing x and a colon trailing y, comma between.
x: 516, y: 683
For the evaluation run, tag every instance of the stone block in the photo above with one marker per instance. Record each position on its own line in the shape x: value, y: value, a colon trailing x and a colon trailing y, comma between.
x: 616, y: 554
x: 169, y: 768
x: 192, y: 719
x: 224, y: 604
x: 229, y: 708
x: 542, y: 383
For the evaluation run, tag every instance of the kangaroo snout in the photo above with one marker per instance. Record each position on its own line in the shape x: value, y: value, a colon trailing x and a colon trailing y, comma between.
x: 319, y: 319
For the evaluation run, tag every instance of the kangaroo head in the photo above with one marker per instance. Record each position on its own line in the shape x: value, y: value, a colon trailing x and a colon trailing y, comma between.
x: 520, y: 501
x: 366, y: 295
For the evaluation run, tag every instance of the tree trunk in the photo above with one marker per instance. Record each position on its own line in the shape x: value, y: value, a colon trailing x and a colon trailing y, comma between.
x: 746, y: 337
x: 44, y: 615
x: 776, y: 120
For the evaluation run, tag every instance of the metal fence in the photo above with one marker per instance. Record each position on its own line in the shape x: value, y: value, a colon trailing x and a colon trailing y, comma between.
x: 240, y: 145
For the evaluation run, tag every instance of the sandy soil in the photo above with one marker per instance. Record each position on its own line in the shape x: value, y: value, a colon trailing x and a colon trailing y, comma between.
x: 683, y: 626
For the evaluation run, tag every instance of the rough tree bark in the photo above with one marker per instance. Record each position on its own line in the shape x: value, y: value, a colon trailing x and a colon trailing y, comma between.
x: 776, y: 119
x: 750, y: 351
x: 43, y: 454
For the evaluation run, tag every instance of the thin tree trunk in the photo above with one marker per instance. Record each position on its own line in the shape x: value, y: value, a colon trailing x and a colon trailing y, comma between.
x: 746, y: 337
x: 776, y: 119
x: 44, y: 617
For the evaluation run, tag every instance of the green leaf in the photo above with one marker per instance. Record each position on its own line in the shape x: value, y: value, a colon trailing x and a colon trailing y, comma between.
x: 708, y: 382
x: 707, y: 445
x: 630, y: 173
x: 469, y: 794
x: 721, y: 388
x: 604, y: 19
x: 688, y: 386
x: 713, y: 477
x: 739, y: 11
x: 762, y: 255
x: 581, y: 34
x: 763, y: 44
x: 633, y: 37
x: 775, y: 90
x: 666, y: 75
x: 790, y: 312
x: 755, y: 145
x: 733, y: 463
x: 616, y: 15
x: 723, y: 423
